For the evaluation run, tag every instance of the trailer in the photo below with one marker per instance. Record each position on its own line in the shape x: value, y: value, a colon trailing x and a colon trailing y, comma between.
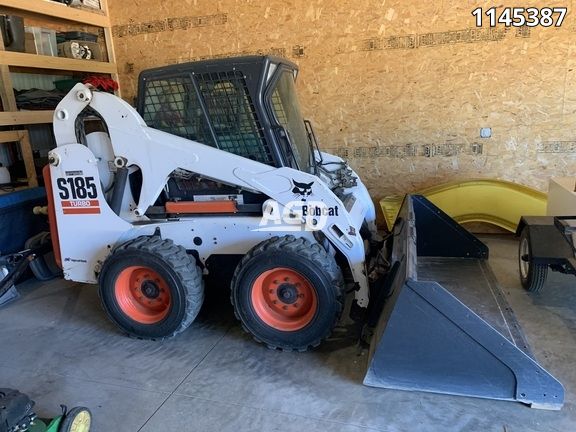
x: 547, y: 242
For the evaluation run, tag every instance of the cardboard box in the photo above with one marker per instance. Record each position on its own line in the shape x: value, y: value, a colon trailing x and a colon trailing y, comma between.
x: 79, y: 50
x: 561, y: 196
x: 30, y: 44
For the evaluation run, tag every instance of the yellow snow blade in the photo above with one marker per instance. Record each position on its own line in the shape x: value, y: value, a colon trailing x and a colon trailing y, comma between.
x: 496, y: 202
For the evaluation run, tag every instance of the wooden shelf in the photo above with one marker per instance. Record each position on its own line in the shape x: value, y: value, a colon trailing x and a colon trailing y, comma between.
x: 11, y: 58
x: 9, y: 118
x: 58, y: 10
x: 59, y: 16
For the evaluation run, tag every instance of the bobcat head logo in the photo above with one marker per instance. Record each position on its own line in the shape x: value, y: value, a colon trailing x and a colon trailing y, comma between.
x: 304, y: 190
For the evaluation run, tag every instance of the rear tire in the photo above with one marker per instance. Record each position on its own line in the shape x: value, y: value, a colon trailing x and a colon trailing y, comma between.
x: 151, y: 288
x: 532, y: 276
x: 287, y: 292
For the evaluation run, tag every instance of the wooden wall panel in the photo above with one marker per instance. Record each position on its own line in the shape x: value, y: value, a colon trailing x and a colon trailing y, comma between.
x: 399, y: 87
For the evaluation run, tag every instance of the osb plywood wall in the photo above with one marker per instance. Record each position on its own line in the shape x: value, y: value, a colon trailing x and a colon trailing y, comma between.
x: 399, y: 87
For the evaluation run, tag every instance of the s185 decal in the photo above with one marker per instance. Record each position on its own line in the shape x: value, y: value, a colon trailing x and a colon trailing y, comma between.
x: 77, y: 188
x: 78, y: 195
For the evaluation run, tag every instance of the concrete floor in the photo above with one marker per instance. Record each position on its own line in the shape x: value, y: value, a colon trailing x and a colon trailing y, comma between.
x: 58, y: 347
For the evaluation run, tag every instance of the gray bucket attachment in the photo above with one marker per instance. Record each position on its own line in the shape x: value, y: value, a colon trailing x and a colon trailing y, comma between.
x: 445, y: 326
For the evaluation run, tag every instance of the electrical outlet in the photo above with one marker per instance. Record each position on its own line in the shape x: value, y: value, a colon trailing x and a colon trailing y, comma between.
x: 486, y: 133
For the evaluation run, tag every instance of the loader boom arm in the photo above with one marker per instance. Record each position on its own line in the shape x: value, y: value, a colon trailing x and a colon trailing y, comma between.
x: 156, y: 153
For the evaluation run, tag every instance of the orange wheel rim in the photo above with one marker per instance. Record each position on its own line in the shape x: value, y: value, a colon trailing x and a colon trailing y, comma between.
x: 284, y: 299
x: 142, y: 294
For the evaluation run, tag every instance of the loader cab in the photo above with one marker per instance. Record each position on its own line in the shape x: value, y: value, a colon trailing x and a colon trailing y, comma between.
x: 246, y: 105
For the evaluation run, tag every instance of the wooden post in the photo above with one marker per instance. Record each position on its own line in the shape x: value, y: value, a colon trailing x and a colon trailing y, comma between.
x: 24, y: 140
x: 6, y: 92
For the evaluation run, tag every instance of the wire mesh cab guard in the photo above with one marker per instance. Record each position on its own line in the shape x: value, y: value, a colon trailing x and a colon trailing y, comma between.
x: 217, y: 103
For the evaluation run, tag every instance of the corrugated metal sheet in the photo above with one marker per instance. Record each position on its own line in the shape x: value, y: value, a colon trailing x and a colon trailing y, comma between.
x: 41, y: 136
x: 5, y: 159
x: 23, y: 81
x: 42, y: 139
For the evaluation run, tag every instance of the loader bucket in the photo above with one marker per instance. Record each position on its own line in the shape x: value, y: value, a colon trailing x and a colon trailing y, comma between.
x: 445, y: 326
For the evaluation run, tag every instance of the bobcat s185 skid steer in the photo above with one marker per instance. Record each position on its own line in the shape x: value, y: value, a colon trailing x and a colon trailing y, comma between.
x: 218, y: 162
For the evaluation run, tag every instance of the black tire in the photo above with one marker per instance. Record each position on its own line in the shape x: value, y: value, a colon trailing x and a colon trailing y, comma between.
x: 176, y: 276
x: 78, y: 419
x: 310, y: 262
x: 532, y: 276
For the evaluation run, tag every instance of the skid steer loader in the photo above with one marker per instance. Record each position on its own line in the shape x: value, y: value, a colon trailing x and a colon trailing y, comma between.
x: 219, y: 163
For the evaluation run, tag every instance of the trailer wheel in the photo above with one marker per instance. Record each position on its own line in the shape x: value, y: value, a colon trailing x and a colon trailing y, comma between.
x: 532, y: 276
x: 287, y: 292
x: 151, y: 288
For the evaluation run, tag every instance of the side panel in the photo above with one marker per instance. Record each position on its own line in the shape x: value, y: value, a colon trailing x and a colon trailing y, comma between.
x: 52, y: 222
x: 87, y: 227
x: 433, y: 224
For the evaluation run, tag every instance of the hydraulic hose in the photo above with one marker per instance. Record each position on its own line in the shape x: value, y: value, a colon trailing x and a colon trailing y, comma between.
x: 119, y: 187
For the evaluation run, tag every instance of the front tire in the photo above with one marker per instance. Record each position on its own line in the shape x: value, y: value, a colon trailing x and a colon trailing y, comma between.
x: 532, y: 275
x: 151, y: 288
x: 287, y: 292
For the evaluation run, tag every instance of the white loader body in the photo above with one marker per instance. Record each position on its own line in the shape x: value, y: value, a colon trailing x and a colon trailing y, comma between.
x: 89, y: 230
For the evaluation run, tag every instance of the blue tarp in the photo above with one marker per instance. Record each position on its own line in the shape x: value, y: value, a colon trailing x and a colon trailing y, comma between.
x: 17, y: 222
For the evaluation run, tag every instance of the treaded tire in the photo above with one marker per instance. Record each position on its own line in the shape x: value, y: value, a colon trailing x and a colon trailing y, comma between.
x: 71, y: 418
x: 181, y: 281
x: 311, y: 263
x: 532, y: 276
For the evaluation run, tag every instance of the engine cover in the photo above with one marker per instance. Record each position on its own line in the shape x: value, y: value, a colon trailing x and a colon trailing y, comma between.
x: 15, y: 410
